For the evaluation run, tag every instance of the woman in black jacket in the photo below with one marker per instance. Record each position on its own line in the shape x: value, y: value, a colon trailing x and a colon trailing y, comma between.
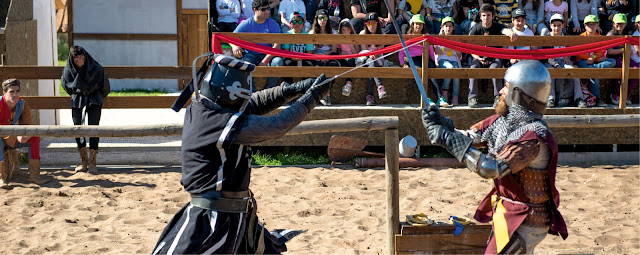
x: 83, y: 78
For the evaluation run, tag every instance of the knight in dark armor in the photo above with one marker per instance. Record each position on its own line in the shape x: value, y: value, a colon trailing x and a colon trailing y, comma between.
x: 522, y: 159
x: 224, y: 119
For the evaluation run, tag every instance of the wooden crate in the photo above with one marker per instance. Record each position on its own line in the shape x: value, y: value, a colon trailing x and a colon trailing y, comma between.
x: 440, y: 239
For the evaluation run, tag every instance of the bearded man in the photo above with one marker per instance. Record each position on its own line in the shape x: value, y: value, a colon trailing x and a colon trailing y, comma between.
x: 522, y: 159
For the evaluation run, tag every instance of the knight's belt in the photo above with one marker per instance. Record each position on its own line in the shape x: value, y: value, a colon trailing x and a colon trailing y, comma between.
x: 224, y: 201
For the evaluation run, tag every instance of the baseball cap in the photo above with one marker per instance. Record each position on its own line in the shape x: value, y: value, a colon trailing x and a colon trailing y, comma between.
x: 447, y: 19
x: 555, y: 17
x: 293, y: 15
x: 619, y: 18
x: 518, y: 13
x: 591, y: 19
x: 322, y: 12
x: 416, y: 19
x: 372, y: 16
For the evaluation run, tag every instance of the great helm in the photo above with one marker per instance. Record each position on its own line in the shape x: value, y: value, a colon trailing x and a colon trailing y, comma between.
x: 228, y: 82
x: 529, y: 85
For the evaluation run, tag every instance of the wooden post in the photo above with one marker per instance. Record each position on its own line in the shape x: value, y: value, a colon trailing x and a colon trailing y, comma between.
x: 393, y: 187
x: 624, y: 83
x: 425, y: 71
x: 70, y: 39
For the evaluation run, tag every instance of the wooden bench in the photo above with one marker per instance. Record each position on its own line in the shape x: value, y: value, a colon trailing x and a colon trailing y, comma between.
x: 439, y: 239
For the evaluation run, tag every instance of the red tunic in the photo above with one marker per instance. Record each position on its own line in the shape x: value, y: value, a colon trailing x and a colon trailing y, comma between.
x: 508, y: 187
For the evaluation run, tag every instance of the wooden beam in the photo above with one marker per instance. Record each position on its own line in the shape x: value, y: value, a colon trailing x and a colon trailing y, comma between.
x: 70, y: 38
x: 126, y: 37
x: 113, y: 72
x: 111, y: 102
x: 593, y: 121
x: 392, y: 176
x: 194, y: 11
x: 626, y: 57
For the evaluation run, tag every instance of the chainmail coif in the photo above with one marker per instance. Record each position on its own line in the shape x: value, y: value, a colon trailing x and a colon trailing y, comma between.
x: 519, y: 120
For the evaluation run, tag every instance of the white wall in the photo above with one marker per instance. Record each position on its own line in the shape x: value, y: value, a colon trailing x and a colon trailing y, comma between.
x: 44, y: 12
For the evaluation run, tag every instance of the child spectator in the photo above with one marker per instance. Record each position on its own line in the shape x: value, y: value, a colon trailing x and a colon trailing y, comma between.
x: 371, y: 27
x: 438, y: 10
x: 564, y: 90
x: 418, y: 28
x: 345, y: 28
x: 594, y: 59
x: 504, y: 8
x: 580, y: 9
x: 228, y: 14
x: 620, y: 28
x: 535, y: 15
x: 518, y: 20
x: 609, y: 8
x: 297, y: 21
x: 448, y: 58
x: 556, y: 7
x: 286, y: 9
x: 321, y: 26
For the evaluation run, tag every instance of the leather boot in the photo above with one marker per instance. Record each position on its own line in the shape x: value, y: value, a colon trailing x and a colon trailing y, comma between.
x: 34, y: 172
x: 4, y: 183
x: 85, y: 160
x: 92, y: 161
x: 12, y: 163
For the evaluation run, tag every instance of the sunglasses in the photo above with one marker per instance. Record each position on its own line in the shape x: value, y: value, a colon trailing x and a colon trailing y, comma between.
x: 299, y: 22
x: 264, y: 9
x: 371, y: 23
x: 322, y: 18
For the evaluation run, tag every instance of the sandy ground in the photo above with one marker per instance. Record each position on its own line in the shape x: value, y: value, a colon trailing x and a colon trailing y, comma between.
x: 123, y: 209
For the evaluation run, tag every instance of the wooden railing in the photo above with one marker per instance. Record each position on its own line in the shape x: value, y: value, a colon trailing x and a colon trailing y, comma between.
x: 184, y: 72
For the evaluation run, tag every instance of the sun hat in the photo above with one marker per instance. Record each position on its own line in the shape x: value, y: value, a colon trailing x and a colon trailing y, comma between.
x: 447, y: 19
x: 591, y: 19
x: 417, y: 18
x: 555, y: 17
x: 620, y: 18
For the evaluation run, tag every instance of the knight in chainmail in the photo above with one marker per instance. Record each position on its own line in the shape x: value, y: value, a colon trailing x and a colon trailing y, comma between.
x: 224, y: 119
x: 521, y: 159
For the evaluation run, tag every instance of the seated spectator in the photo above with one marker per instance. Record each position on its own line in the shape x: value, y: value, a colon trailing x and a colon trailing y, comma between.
x: 580, y: 9
x: 287, y: 8
x: 448, y: 58
x: 487, y: 27
x: 345, y: 28
x: 228, y: 14
x: 372, y: 60
x: 297, y: 21
x: 503, y: 9
x: 438, y: 10
x: 518, y: 20
x: 321, y: 26
x: 565, y: 90
x: 556, y: 7
x: 609, y: 8
x: 335, y: 10
x: 360, y: 14
x: 15, y: 111
x: 594, y: 59
x: 405, y: 10
x: 620, y: 28
x: 535, y: 15
x: 259, y: 23
x: 470, y: 10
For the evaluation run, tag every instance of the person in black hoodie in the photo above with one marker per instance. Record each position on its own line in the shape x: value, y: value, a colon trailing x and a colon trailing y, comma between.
x: 83, y: 78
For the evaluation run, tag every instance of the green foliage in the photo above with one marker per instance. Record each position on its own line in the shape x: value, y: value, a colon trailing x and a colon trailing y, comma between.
x: 434, y: 152
x: 264, y: 159
x: 23, y: 158
x: 281, y: 156
x: 63, y: 48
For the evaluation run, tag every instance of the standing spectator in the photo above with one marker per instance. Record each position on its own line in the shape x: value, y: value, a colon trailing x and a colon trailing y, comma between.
x: 518, y: 19
x: 247, y: 10
x: 345, y: 28
x: 556, y: 7
x: 594, y: 59
x: 438, y: 10
x: 228, y: 14
x: 448, y: 58
x: 297, y: 21
x: 487, y: 27
x: 535, y: 15
x: 503, y: 10
x: 360, y: 10
x: 15, y: 111
x: 609, y: 8
x: 321, y: 26
x: 259, y: 23
x: 564, y: 90
x: 373, y: 60
x: 335, y: 10
x: 311, y: 6
x: 83, y: 78
x: 470, y: 10
x: 287, y: 8
x: 407, y: 9
x: 418, y: 28
x: 620, y: 28
x: 580, y: 9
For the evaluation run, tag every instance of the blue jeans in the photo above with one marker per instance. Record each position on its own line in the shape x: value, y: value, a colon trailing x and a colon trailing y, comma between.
x: 273, y: 81
x: 444, y: 63
x: 595, y: 83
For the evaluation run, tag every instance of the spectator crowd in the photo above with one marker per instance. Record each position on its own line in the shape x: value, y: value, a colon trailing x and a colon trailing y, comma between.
x: 511, y: 18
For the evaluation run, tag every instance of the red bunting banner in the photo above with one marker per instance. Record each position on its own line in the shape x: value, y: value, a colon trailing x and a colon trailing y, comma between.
x: 459, y: 46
